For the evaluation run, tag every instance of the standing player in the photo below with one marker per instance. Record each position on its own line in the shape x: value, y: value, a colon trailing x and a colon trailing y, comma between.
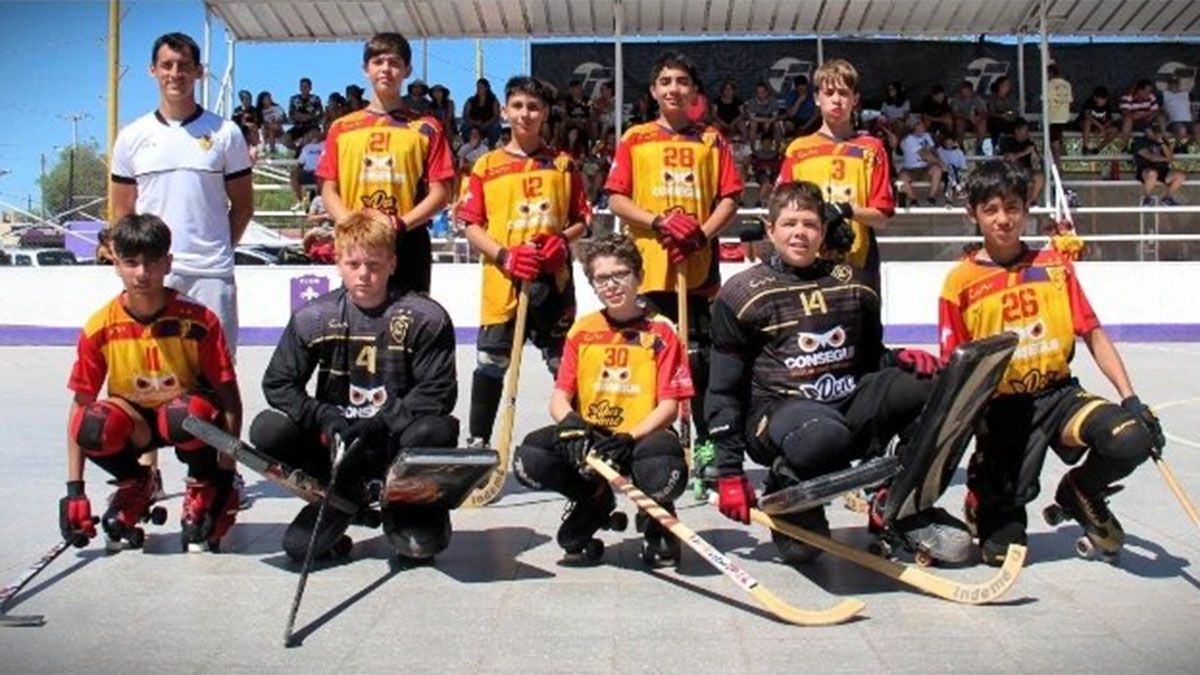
x: 851, y: 169
x: 524, y: 204
x: 164, y: 358
x: 385, y: 362
x: 1007, y: 286
x: 802, y: 382
x: 617, y: 394
x: 390, y: 159
x: 675, y: 186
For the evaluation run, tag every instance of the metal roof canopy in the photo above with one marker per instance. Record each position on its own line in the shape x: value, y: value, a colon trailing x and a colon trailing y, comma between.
x: 291, y: 20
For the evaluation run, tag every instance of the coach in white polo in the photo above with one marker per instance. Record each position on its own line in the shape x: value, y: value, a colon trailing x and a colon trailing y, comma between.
x: 191, y: 168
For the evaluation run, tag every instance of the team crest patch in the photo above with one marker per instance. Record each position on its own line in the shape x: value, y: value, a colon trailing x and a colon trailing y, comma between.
x: 206, y: 142
x: 605, y: 414
x: 842, y: 273
x: 1058, y: 276
x: 398, y: 328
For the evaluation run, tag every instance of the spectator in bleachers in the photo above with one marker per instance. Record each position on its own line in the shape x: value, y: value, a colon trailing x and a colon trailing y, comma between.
x: 579, y: 109
x: 1139, y: 109
x: 472, y: 149
x: 896, y: 108
x: 1097, y: 117
x: 727, y: 110
x: 954, y: 161
x: 1002, y: 110
x: 272, y: 117
x: 441, y: 108
x: 303, y: 174
x: 482, y: 111
x: 698, y: 109
x: 336, y: 106
x: 1059, y: 99
x: 602, y: 110
x: 305, y: 112
x: 354, y: 98
x: 799, y: 107
x: 762, y: 116
x: 920, y: 163
x: 935, y: 111
x: 645, y: 109
x: 248, y: 119
x: 505, y: 136
x: 1020, y: 149
x: 575, y: 144
x: 417, y: 98
x: 596, y: 164
x: 1152, y: 157
x: 1177, y: 107
x: 969, y: 111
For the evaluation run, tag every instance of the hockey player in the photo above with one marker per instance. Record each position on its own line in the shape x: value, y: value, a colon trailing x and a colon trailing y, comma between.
x: 1008, y: 286
x: 802, y: 382
x: 164, y: 358
x: 617, y: 394
x: 524, y: 204
x: 385, y: 362
x: 851, y: 169
x: 675, y: 186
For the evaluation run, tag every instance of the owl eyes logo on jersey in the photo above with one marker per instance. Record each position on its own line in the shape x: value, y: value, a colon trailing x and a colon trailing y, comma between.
x: 366, y: 402
x: 531, y: 215
x: 381, y: 169
x: 154, y: 388
x: 676, y: 184
x: 831, y: 343
x: 615, y: 380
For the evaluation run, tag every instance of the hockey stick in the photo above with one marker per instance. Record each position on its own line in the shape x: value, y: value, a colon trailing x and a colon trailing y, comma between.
x: 685, y: 406
x: 486, y: 493
x: 339, y: 455
x: 1169, y: 477
x: 968, y: 594
x: 839, y: 613
x: 9, y: 592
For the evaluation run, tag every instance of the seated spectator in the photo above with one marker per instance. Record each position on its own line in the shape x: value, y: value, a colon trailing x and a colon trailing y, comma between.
x: 336, y: 106
x: 578, y: 109
x: 471, y: 150
x: 354, y: 98
x: 417, y: 98
x: 1020, y: 149
x: 1177, y: 107
x: 762, y: 116
x: 895, y: 108
x: 306, y: 113
x: 602, y: 110
x: 1059, y: 99
x: 935, y: 111
x: 799, y: 107
x: 920, y: 162
x: 1152, y: 157
x: 441, y: 108
x: 969, y: 112
x: 482, y: 111
x: 1097, y: 117
x: 698, y: 109
x: 303, y: 175
x: 596, y: 164
x: 575, y: 144
x: 272, y: 117
x: 954, y: 161
x: 727, y: 110
x: 247, y: 118
x: 1002, y: 110
x: 645, y: 109
x: 1139, y: 109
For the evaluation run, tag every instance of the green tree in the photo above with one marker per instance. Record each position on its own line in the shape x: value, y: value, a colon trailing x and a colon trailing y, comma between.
x: 90, y: 180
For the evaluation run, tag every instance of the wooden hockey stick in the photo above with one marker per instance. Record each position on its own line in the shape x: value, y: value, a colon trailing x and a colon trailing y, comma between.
x: 486, y: 493
x: 685, y: 406
x: 839, y: 613
x: 1169, y: 477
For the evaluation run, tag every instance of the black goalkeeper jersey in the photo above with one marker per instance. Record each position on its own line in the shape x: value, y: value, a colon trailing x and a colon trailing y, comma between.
x: 396, y: 361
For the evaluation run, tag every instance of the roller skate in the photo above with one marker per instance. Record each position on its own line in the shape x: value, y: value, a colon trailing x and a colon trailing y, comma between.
x: 209, y: 509
x: 1102, y: 533
x: 659, y: 545
x: 932, y: 535
x: 582, y: 519
x: 704, y: 470
x: 130, y: 504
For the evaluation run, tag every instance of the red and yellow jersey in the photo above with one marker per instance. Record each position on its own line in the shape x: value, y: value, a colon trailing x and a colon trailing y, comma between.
x: 1039, y: 299
x: 385, y: 161
x: 516, y: 198
x: 853, y: 170
x: 663, y: 170
x: 149, y: 363
x: 619, y: 373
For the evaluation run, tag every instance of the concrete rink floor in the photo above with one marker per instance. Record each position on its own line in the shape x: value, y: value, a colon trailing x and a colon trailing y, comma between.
x: 497, y: 600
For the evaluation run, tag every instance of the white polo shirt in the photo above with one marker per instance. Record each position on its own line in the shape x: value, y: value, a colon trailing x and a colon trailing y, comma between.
x: 180, y: 169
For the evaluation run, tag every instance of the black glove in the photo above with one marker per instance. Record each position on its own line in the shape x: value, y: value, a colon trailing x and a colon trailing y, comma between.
x: 617, y: 450
x: 1134, y: 406
x: 332, y: 423
x: 75, y: 515
x: 573, y: 438
x: 367, y: 431
x: 838, y: 234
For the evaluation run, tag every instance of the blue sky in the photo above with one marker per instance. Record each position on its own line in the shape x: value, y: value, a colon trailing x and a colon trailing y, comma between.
x: 53, y: 62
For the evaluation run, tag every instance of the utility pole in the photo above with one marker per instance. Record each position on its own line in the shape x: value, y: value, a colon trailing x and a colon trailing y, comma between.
x: 74, y: 119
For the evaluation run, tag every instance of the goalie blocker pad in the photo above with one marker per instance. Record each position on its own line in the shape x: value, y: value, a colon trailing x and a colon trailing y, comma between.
x: 436, y: 476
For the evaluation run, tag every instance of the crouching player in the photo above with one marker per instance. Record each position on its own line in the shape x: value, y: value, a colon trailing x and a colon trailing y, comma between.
x: 386, y: 380
x: 802, y: 382
x: 1007, y: 286
x: 164, y: 358
x: 622, y: 376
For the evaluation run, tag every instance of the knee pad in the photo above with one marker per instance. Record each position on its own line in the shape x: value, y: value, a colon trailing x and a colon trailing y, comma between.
x: 171, y: 417
x: 431, y: 431
x: 810, y: 443
x: 273, y: 429
x: 532, y: 464
x: 101, y: 428
x: 659, y: 468
x: 1117, y: 435
x: 491, y: 365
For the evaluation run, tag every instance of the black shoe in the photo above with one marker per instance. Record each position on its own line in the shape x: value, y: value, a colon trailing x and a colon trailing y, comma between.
x: 658, y: 543
x: 793, y: 551
x: 583, y: 518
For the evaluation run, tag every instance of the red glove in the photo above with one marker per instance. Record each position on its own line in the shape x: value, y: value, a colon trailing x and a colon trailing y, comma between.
x: 736, y: 498
x: 75, y: 515
x: 520, y: 262
x: 680, y: 231
x: 554, y: 250
x: 918, y: 361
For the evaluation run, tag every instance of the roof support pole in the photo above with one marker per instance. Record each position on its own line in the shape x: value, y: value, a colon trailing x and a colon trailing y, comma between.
x: 114, y: 75
x: 478, y: 59
x: 618, y: 67
x: 206, y: 60
x: 1047, y: 154
x: 820, y: 50
x: 1021, y: 73
x: 231, y: 59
